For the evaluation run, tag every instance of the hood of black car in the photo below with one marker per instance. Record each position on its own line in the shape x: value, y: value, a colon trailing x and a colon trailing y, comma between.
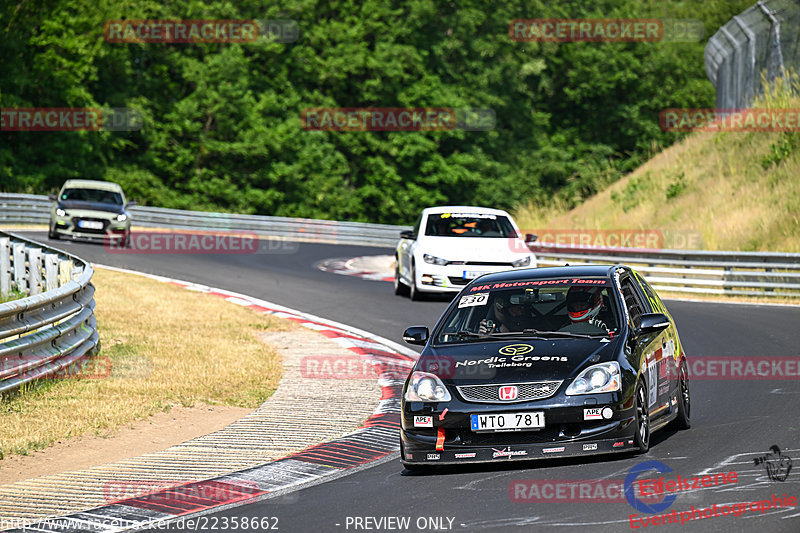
x: 515, y: 361
x: 91, y: 206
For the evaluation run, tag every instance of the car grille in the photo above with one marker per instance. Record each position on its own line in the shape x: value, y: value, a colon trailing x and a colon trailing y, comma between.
x: 527, y: 391
x: 455, y: 280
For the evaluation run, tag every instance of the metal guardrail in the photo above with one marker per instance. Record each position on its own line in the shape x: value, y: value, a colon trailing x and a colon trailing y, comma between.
x: 692, y: 271
x: 763, y: 38
x: 54, y: 326
x: 33, y: 209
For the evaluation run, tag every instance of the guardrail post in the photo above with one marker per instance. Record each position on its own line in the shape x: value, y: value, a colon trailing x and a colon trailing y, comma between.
x: 769, y: 269
x: 35, y: 270
x: 64, y: 272
x: 50, y: 271
x: 5, y: 267
x: 77, y: 270
x: 18, y: 264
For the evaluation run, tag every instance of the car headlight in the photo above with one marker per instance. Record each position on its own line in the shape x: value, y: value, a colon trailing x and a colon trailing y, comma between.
x: 522, y: 262
x: 425, y: 387
x: 433, y: 260
x: 122, y: 217
x: 604, y: 377
x: 60, y: 212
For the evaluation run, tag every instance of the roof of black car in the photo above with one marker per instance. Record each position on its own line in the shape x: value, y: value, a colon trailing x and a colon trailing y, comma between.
x: 550, y: 272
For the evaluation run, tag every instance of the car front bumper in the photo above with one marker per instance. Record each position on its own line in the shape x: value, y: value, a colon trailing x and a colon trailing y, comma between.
x: 513, y: 452
x: 453, y: 278
x: 67, y: 227
x: 566, y: 433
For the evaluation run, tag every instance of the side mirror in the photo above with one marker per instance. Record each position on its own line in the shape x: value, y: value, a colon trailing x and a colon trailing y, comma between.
x: 416, y: 335
x: 52, y: 197
x: 132, y: 203
x: 407, y: 234
x: 652, y: 323
x: 530, y: 237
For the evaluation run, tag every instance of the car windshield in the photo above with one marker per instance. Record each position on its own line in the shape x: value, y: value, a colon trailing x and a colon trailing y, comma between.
x: 92, y: 195
x: 469, y: 225
x: 552, y: 308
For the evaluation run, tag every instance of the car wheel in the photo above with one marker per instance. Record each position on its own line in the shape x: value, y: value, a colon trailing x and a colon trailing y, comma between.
x: 399, y: 287
x: 52, y: 235
x: 684, y: 420
x: 126, y: 241
x: 642, y: 419
x: 413, y: 292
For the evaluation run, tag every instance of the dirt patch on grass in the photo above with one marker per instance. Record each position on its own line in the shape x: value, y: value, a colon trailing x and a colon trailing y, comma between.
x: 158, y: 432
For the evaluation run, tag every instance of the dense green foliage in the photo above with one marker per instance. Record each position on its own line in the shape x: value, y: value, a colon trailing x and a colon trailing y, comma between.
x: 222, y: 121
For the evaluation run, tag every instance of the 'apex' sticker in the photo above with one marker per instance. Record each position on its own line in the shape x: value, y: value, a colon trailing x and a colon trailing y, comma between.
x: 593, y: 413
x: 423, y: 421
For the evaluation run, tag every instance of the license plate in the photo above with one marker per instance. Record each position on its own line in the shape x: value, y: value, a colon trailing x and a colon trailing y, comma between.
x: 507, y: 421
x: 90, y: 224
x: 472, y: 274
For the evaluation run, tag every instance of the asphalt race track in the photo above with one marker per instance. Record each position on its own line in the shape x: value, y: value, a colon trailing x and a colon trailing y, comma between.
x: 734, y: 421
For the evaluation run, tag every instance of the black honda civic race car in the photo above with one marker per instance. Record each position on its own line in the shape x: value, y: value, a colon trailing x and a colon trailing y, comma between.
x: 545, y: 362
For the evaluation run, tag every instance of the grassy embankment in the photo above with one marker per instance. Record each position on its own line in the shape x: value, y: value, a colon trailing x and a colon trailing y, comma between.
x: 738, y: 191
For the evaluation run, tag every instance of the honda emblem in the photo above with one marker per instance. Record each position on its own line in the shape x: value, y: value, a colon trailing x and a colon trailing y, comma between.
x: 508, y: 392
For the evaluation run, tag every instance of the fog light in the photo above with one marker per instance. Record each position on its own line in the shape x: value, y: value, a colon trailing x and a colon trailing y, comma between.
x: 427, y: 280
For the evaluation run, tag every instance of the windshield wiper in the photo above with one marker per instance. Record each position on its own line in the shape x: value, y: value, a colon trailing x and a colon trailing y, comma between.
x: 562, y: 334
x: 497, y: 335
x: 524, y: 334
x: 527, y: 333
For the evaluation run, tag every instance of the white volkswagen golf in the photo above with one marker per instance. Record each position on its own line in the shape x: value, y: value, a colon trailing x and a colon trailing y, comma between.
x: 452, y: 245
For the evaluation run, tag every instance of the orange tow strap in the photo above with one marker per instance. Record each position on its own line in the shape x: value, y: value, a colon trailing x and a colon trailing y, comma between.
x: 440, y: 439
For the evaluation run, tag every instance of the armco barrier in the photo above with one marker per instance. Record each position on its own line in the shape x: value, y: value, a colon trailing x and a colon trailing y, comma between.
x: 690, y: 271
x: 33, y: 209
x: 54, y: 326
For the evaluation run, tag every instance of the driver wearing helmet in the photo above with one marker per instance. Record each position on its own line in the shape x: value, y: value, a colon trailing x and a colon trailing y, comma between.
x: 584, y: 306
x: 511, y: 314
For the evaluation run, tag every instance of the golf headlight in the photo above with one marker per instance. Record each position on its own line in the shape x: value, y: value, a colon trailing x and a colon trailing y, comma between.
x: 433, y: 260
x: 122, y: 217
x: 604, y: 377
x: 521, y: 262
x: 425, y: 387
x: 60, y: 212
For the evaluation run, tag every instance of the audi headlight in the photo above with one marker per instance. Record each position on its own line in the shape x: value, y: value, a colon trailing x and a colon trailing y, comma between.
x: 433, y: 260
x: 604, y: 377
x: 122, y: 217
x: 425, y: 387
x: 60, y: 212
x: 521, y: 262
